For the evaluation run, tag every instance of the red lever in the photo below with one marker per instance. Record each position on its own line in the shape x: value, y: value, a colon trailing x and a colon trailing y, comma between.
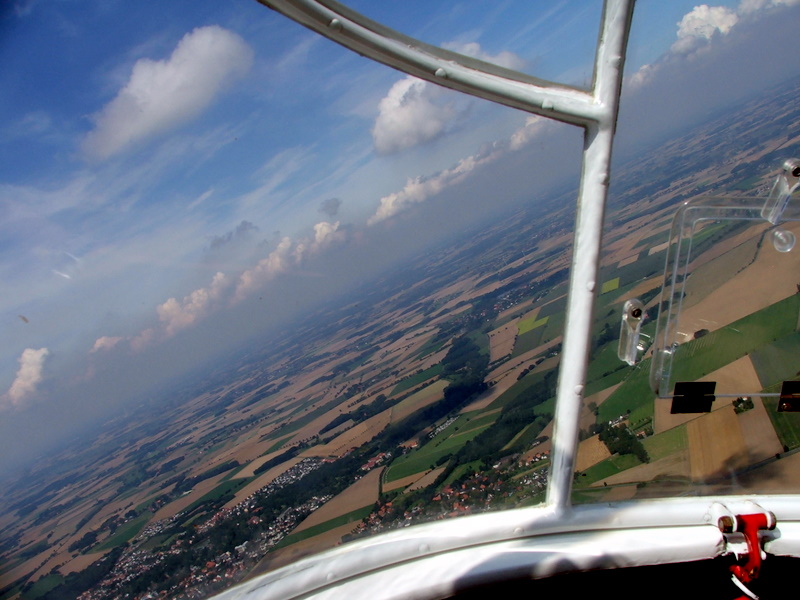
x: 750, y: 525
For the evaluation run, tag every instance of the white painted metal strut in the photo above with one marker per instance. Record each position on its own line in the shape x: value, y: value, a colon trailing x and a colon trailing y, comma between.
x: 596, y: 111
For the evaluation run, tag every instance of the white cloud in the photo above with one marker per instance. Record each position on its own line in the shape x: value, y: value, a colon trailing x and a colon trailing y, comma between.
x: 412, y: 113
x: 163, y: 94
x: 275, y: 263
x: 105, y: 343
x: 179, y: 315
x: 701, y: 24
x: 420, y: 189
x: 31, y: 363
x: 524, y: 135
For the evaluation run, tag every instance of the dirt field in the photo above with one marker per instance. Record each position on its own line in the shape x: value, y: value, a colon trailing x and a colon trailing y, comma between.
x: 426, y: 479
x: 590, y: 452
x: 501, y: 341
x: 716, y: 444
x: 362, y: 493
x: 760, y: 437
x: 422, y: 398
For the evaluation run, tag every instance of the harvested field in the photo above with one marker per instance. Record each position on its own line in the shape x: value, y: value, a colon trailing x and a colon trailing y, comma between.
x: 738, y: 377
x: 249, y: 470
x: 362, y: 493
x: 493, y: 393
x: 761, y: 439
x: 674, y: 465
x: 501, y: 341
x: 426, y: 479
x: 590, y: 452
x: 619, y: 493
x: 201, y: 489
x: 658, y: 248
x: 354, y: 437
x: 628, y: 261
x: 426, y: 396
x: 716, y: 445
x: 401, y: 483
x: 80, y: 562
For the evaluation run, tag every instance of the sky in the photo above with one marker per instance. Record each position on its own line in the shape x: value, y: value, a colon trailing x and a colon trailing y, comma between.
x: 177, y: 177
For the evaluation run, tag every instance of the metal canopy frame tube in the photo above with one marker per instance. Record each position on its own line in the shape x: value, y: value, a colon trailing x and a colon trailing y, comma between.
x: 596, y: 111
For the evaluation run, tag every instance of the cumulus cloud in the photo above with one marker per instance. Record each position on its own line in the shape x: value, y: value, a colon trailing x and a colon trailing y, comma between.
x: 412, y: 113
x: 105, y: 343
x: 419, y: 189
x: 267, y: 268
x: 161, y: 95
x: 176, y: 315
x: 330, y: 207
x: 701, y: 24
x: 31, y: 364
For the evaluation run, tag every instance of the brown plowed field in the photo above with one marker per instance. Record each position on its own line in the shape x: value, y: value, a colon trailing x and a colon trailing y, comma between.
x: 362, y: 493
x: 501, y: 341
x: 590, y: 452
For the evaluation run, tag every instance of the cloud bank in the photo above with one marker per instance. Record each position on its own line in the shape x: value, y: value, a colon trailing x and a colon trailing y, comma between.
x: 160, y: 95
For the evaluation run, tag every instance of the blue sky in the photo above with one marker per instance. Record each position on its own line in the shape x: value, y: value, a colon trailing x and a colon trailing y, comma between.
x: 167, y: 169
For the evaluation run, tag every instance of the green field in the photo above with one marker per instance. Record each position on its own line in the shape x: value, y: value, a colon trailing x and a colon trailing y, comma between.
x: 666, y: 443
x: 416, y: 379
x: 787, y: 425
x: 423, y: 458
x: 124, y: 533
x: 607, y: 468
x: 777, y: 361
x: 277, y: 445
x: 520, y: 387
x: 531, y: 324
x: 610, y: 286
x: 351, y: 517
x: 528, y: 341
x: 632, y: 395
x: 471, y: 420
x: 723, y: 346
x: 43, y: 585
